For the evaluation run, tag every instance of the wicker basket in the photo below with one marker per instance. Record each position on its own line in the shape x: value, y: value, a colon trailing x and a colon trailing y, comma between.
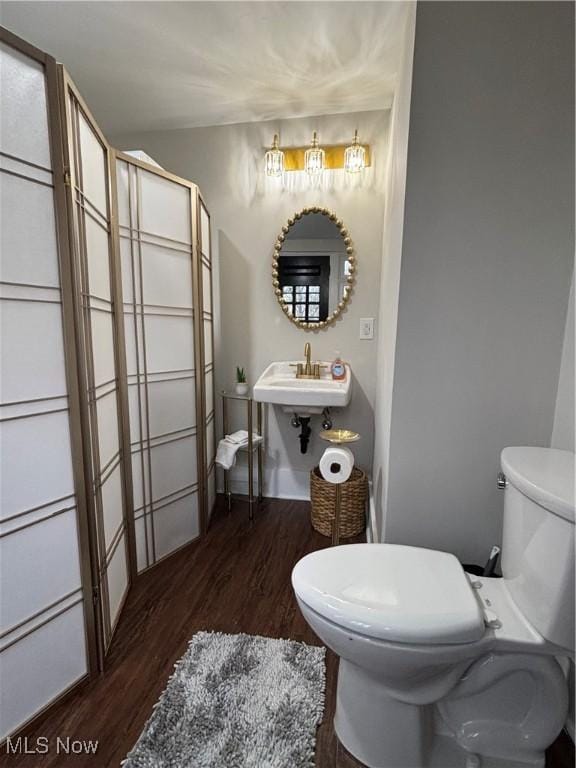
x: 353, y: 495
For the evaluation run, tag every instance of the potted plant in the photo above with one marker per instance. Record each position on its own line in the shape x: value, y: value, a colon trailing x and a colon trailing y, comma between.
x: 241, y: 385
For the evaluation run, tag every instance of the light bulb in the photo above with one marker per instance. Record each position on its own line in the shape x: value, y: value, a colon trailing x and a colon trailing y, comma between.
x: 355, y: 156
x: 314, y: 158
x: 274, y: 159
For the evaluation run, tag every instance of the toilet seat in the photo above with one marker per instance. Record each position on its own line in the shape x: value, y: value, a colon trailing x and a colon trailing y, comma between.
x: 391, y: 592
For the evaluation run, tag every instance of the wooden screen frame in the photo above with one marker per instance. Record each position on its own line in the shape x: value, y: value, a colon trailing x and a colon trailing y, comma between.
x: 58, y: 84
x: 201, y: 205
x: 56, y: 138
x: 198, y: 335
x: 104, y: 630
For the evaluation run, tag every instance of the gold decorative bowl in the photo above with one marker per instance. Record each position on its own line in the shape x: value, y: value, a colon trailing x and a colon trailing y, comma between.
x: 339, y: 435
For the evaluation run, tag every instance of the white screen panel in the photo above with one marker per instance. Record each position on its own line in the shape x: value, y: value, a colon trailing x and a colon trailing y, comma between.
x: 108, y: 420
x: 140, y: 481
x: 45, y: 653
x: 135, y: 415
x: 123, y: 192
x: 130, y: 341
x: 126, y: 264
x: 208, y: 356
x: 94, y: 170
x: 208, y: 330
x: 149, y: 528
x: 174, y: 356
x: 160, y: 350
x: 94, y: 258
x: 23, y: 107
x: 112, y: 506
x: 165, y: 207
x: 102, y: 347
x: 98, y: 256
x: 173, y: 466
x: 32, y: 351
x: 209, y: 378
x: 38, y: 565
x: 176, y: 524
x: 27, y: 235
x: 141, y: 556
x: 36, y: 462
x: 205, y: 231
x: 166, y: 277
x: 117, y: 579
x: 210, y: 442
x: 206, y: 288
x: 39, y: 667
x: 172, y: 405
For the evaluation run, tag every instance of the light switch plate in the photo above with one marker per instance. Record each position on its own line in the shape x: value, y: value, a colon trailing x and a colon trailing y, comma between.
x: 366, y: 327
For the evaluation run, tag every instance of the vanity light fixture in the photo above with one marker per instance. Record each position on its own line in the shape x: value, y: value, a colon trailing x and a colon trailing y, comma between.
x: 274, y: 159
x: 355, y: 156
x: 314, y: 158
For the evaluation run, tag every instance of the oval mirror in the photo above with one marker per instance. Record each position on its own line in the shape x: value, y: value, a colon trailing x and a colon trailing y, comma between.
x: 313, y: 268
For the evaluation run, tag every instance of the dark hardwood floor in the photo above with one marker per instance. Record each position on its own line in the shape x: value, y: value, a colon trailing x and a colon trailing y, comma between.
x: 236, y: 580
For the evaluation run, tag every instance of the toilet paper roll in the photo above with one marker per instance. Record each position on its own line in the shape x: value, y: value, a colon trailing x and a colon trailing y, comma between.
x: 336, y: 464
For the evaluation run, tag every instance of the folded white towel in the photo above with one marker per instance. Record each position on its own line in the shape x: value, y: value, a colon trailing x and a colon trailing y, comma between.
x: 226, y: 454
x: 240, y: 437
x: 231, y: 444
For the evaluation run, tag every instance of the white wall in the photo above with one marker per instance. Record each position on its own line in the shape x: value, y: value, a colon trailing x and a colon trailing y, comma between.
x: 248, y: 210
x: 563, y: 428
x: 563, y: 437
x: 486, y: 263
x: 390, y: 276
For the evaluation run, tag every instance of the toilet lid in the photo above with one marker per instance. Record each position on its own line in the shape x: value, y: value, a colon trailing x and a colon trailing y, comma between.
x: 391, y: 592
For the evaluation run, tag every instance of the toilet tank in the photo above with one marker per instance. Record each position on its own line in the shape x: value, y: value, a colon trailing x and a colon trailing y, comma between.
x: 538, y: 538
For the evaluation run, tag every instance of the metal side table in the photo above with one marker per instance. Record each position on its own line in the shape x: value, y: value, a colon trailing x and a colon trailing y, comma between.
x: 250, y: 449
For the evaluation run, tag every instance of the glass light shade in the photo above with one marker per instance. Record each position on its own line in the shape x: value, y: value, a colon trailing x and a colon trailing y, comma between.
x: 354, y: 156
x: 274, y: 160
x: 314, y: 158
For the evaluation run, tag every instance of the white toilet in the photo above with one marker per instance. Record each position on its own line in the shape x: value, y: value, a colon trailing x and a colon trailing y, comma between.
x: 440, y: 668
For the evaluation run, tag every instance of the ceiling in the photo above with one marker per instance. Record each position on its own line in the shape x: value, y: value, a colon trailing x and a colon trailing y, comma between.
x: 146, y: 66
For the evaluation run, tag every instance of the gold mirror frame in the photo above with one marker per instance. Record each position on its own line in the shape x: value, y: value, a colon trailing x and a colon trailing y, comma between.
x: 331, y: 319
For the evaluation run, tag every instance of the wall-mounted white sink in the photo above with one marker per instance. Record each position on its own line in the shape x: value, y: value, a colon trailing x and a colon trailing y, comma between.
x: 279, y: 385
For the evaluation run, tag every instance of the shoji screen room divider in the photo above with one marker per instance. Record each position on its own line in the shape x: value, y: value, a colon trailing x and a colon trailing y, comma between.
x: 167, y: 389
x: 207, y: 296
x: 104, y: 401
x: 100, y: 344
x: 47, y: 617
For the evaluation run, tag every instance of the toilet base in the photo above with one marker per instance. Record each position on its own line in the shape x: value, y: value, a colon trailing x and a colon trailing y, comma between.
x: 445, y: 753
x: 382, y: 732
x: 379, y: 731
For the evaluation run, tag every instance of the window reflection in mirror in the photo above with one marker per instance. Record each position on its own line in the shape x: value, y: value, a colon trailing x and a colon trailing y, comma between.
x: 313, y: 268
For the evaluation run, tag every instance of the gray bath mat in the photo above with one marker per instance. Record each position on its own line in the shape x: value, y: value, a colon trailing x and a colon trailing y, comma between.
x: 236, y: 701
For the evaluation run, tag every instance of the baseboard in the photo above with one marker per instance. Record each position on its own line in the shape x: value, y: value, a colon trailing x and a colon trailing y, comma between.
x: 286, y: 483
x: 282, y: 483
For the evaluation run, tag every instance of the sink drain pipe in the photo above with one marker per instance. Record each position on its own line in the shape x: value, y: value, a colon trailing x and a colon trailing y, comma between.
x: 305, y: 430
